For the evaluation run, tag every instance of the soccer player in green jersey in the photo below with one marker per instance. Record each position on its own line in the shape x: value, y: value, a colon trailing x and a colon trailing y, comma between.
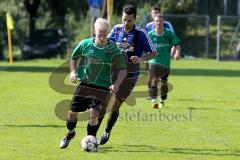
x: 159, y: 67
x: 97, y: 57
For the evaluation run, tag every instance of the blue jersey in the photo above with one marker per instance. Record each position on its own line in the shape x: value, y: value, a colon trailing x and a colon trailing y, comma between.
x: 151, y: 26
x: 95, y: 3
x: 134, y: 43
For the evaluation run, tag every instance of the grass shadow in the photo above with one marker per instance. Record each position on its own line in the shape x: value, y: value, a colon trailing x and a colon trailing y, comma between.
x: 205, y: 72
x: 40, y: 69
x: 174, y: 71
x: 236, y: 110
x: 152, y: 149
x: 35, y: 126
x: 203, y: 108
x: 201, y: 100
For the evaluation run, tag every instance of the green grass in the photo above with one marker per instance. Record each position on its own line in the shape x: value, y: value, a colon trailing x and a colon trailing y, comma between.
x: 205, y: 101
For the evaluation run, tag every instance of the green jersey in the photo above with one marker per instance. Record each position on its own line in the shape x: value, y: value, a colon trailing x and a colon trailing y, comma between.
x: 96, y: 63
x: 163, y: 44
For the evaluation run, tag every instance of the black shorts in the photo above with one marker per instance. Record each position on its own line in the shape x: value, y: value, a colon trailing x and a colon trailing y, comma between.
x: 88, y: 96
x: 128, y: 84
x: 158, y: 72
x: 126, y: 88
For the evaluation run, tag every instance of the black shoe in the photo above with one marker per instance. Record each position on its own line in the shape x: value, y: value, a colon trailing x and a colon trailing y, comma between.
x: 104, y: 138
x: 65, y: 141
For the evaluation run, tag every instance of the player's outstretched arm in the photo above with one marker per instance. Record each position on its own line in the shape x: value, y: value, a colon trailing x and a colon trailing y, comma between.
x: 136, y: 59
x: 120, y: 78
x: 176, y: 52
x: 73, y: 67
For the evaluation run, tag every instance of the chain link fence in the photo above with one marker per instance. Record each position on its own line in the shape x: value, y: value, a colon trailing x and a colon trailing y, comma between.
x: 193, y: 30
x: 228, y: 38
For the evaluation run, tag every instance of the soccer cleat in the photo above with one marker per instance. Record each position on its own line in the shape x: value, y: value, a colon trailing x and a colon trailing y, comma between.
x: 155, y: 105
x: 65, y: 141
x: 161, y: 104
x: 104, y: 138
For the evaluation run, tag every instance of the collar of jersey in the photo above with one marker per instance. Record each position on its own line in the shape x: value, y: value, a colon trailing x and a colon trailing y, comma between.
x: 159, y: 34
x: 100, y: 47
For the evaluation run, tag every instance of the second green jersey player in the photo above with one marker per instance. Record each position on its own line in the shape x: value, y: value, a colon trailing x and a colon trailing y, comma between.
x: 159, y: 67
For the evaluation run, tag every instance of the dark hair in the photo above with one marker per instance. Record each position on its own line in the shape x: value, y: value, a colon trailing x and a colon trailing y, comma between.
x: 129, y: 10
x: 155, y: 7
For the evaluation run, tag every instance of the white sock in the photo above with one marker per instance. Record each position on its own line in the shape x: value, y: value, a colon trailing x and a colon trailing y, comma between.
x: 161, y: 101
x: 154, y: 100
x: 71, y: 131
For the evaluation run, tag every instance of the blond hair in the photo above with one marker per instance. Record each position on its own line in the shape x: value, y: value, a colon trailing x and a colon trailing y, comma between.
x: 102, y: 24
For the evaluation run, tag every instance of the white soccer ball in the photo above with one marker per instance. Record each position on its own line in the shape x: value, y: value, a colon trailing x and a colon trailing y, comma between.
x: 89, y: 144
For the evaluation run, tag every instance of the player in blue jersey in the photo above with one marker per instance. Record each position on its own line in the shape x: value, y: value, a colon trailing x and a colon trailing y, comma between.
x: 132, y: 41
x: 151, y: 25
x: 94, y: 11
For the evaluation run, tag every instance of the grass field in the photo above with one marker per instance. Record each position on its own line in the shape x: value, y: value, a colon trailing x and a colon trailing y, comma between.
x: 201, y: 120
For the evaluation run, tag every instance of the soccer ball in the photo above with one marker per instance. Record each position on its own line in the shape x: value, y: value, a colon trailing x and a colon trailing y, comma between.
x: 89, y: 144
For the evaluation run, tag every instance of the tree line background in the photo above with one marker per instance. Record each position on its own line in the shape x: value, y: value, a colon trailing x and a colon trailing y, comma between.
x: 73, y: 18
